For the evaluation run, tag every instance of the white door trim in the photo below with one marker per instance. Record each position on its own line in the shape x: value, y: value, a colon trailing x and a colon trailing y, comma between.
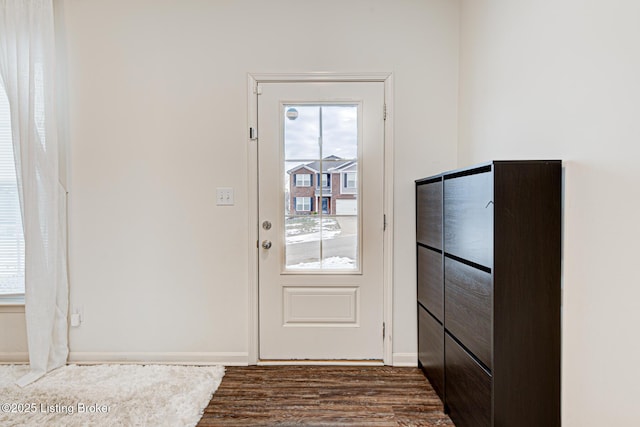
x: 252, y: 118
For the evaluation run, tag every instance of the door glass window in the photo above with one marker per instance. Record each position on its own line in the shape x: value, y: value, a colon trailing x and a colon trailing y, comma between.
x: 322, y: 225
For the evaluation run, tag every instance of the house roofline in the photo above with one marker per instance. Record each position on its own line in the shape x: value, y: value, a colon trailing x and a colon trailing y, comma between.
x: 346, y: 164
x: 290, y: 171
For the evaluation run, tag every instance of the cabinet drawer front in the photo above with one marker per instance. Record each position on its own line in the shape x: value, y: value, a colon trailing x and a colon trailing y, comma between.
x: 468, y: 307
x: 429, y: 214
x: 430, y: 285
x: 431, y: 350
x: 468, y: 210
x: 468, y: 388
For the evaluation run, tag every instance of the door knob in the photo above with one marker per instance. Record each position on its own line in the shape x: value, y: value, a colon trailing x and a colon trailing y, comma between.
x: 266, y: 244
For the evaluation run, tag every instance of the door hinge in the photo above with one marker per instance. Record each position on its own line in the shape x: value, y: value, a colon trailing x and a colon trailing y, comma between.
x: 253, y: 133
x: 384, y: 111
x: 384, y: 327
x: 384, y: 222
x: 257, y: 89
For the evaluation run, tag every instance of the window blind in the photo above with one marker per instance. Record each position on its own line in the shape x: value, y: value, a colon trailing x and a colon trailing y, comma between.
x: 11, y: 231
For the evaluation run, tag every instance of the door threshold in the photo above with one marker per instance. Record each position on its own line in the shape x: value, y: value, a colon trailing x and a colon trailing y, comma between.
x: 319, y: 362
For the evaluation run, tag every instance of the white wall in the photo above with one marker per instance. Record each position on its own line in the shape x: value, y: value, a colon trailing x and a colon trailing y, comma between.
x: 13, y: 335
x: 559, y: 79
x: 157, y: 120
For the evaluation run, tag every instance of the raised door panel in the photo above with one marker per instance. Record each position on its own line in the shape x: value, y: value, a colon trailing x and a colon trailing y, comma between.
x: 468, y: 388
x: 429, y: 214
x: 430, y: 285
x: 468, y: 307
x: 468, y: 213
x: 431, y: 350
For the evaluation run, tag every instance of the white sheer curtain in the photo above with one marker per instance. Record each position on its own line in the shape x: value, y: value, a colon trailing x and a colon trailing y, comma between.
x: 27, y: 71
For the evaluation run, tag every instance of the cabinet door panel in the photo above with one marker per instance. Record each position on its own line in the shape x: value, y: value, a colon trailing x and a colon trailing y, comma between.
x: 468, y: 212
x: 430, y: 285
x: 468, y: 307
x: 429, y: 214
x: 468, y: 388
x: 431, y: 350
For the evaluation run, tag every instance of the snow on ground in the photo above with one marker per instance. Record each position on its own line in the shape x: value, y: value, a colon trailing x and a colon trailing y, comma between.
x: 313, y: 237
x: 308, y: 229
x: 336, y: 262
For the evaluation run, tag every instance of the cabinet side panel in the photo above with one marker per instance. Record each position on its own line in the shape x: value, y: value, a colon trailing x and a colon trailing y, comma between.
x: 527, y: 263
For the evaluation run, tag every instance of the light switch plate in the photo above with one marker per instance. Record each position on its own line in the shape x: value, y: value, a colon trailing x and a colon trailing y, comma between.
x: 224, y: 196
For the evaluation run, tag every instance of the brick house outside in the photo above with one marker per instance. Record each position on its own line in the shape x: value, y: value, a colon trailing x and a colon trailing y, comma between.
x: 333, y: 192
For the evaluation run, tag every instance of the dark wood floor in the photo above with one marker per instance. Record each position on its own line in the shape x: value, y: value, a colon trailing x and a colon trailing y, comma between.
x: 324, y: 396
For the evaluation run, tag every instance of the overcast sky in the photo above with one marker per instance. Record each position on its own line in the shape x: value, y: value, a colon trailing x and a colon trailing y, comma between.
x: 339, y: 129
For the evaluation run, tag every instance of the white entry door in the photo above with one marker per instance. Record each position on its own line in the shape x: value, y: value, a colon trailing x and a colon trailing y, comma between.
x: 320, y: 184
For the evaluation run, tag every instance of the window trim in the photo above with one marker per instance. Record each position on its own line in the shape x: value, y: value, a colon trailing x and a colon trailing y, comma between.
x: 303, y: 210
x: 297, y: 180
x: 10, y: 300
x: 346, y: 180
x: 344, y: 187
x: 321, y: 180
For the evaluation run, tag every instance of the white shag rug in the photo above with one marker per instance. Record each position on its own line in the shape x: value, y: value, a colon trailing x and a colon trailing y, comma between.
x: 108, y: 395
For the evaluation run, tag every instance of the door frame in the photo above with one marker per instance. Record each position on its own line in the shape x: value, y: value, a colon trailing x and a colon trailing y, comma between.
x: 253, y: 79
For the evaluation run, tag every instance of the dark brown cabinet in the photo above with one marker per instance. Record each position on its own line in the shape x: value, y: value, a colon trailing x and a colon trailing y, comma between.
x: 430, y: 281
x: 488, y: 260
x: 430, y: 290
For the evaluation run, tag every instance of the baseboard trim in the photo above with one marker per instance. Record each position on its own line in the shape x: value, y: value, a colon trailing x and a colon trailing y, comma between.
x: 184, y: 358
x: 405, y: 359
x: 306, y: 362
x: 176, y: 358
x: 14, y: 357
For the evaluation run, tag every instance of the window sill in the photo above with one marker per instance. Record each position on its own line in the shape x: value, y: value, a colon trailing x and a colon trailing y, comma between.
x: 12, y: 304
